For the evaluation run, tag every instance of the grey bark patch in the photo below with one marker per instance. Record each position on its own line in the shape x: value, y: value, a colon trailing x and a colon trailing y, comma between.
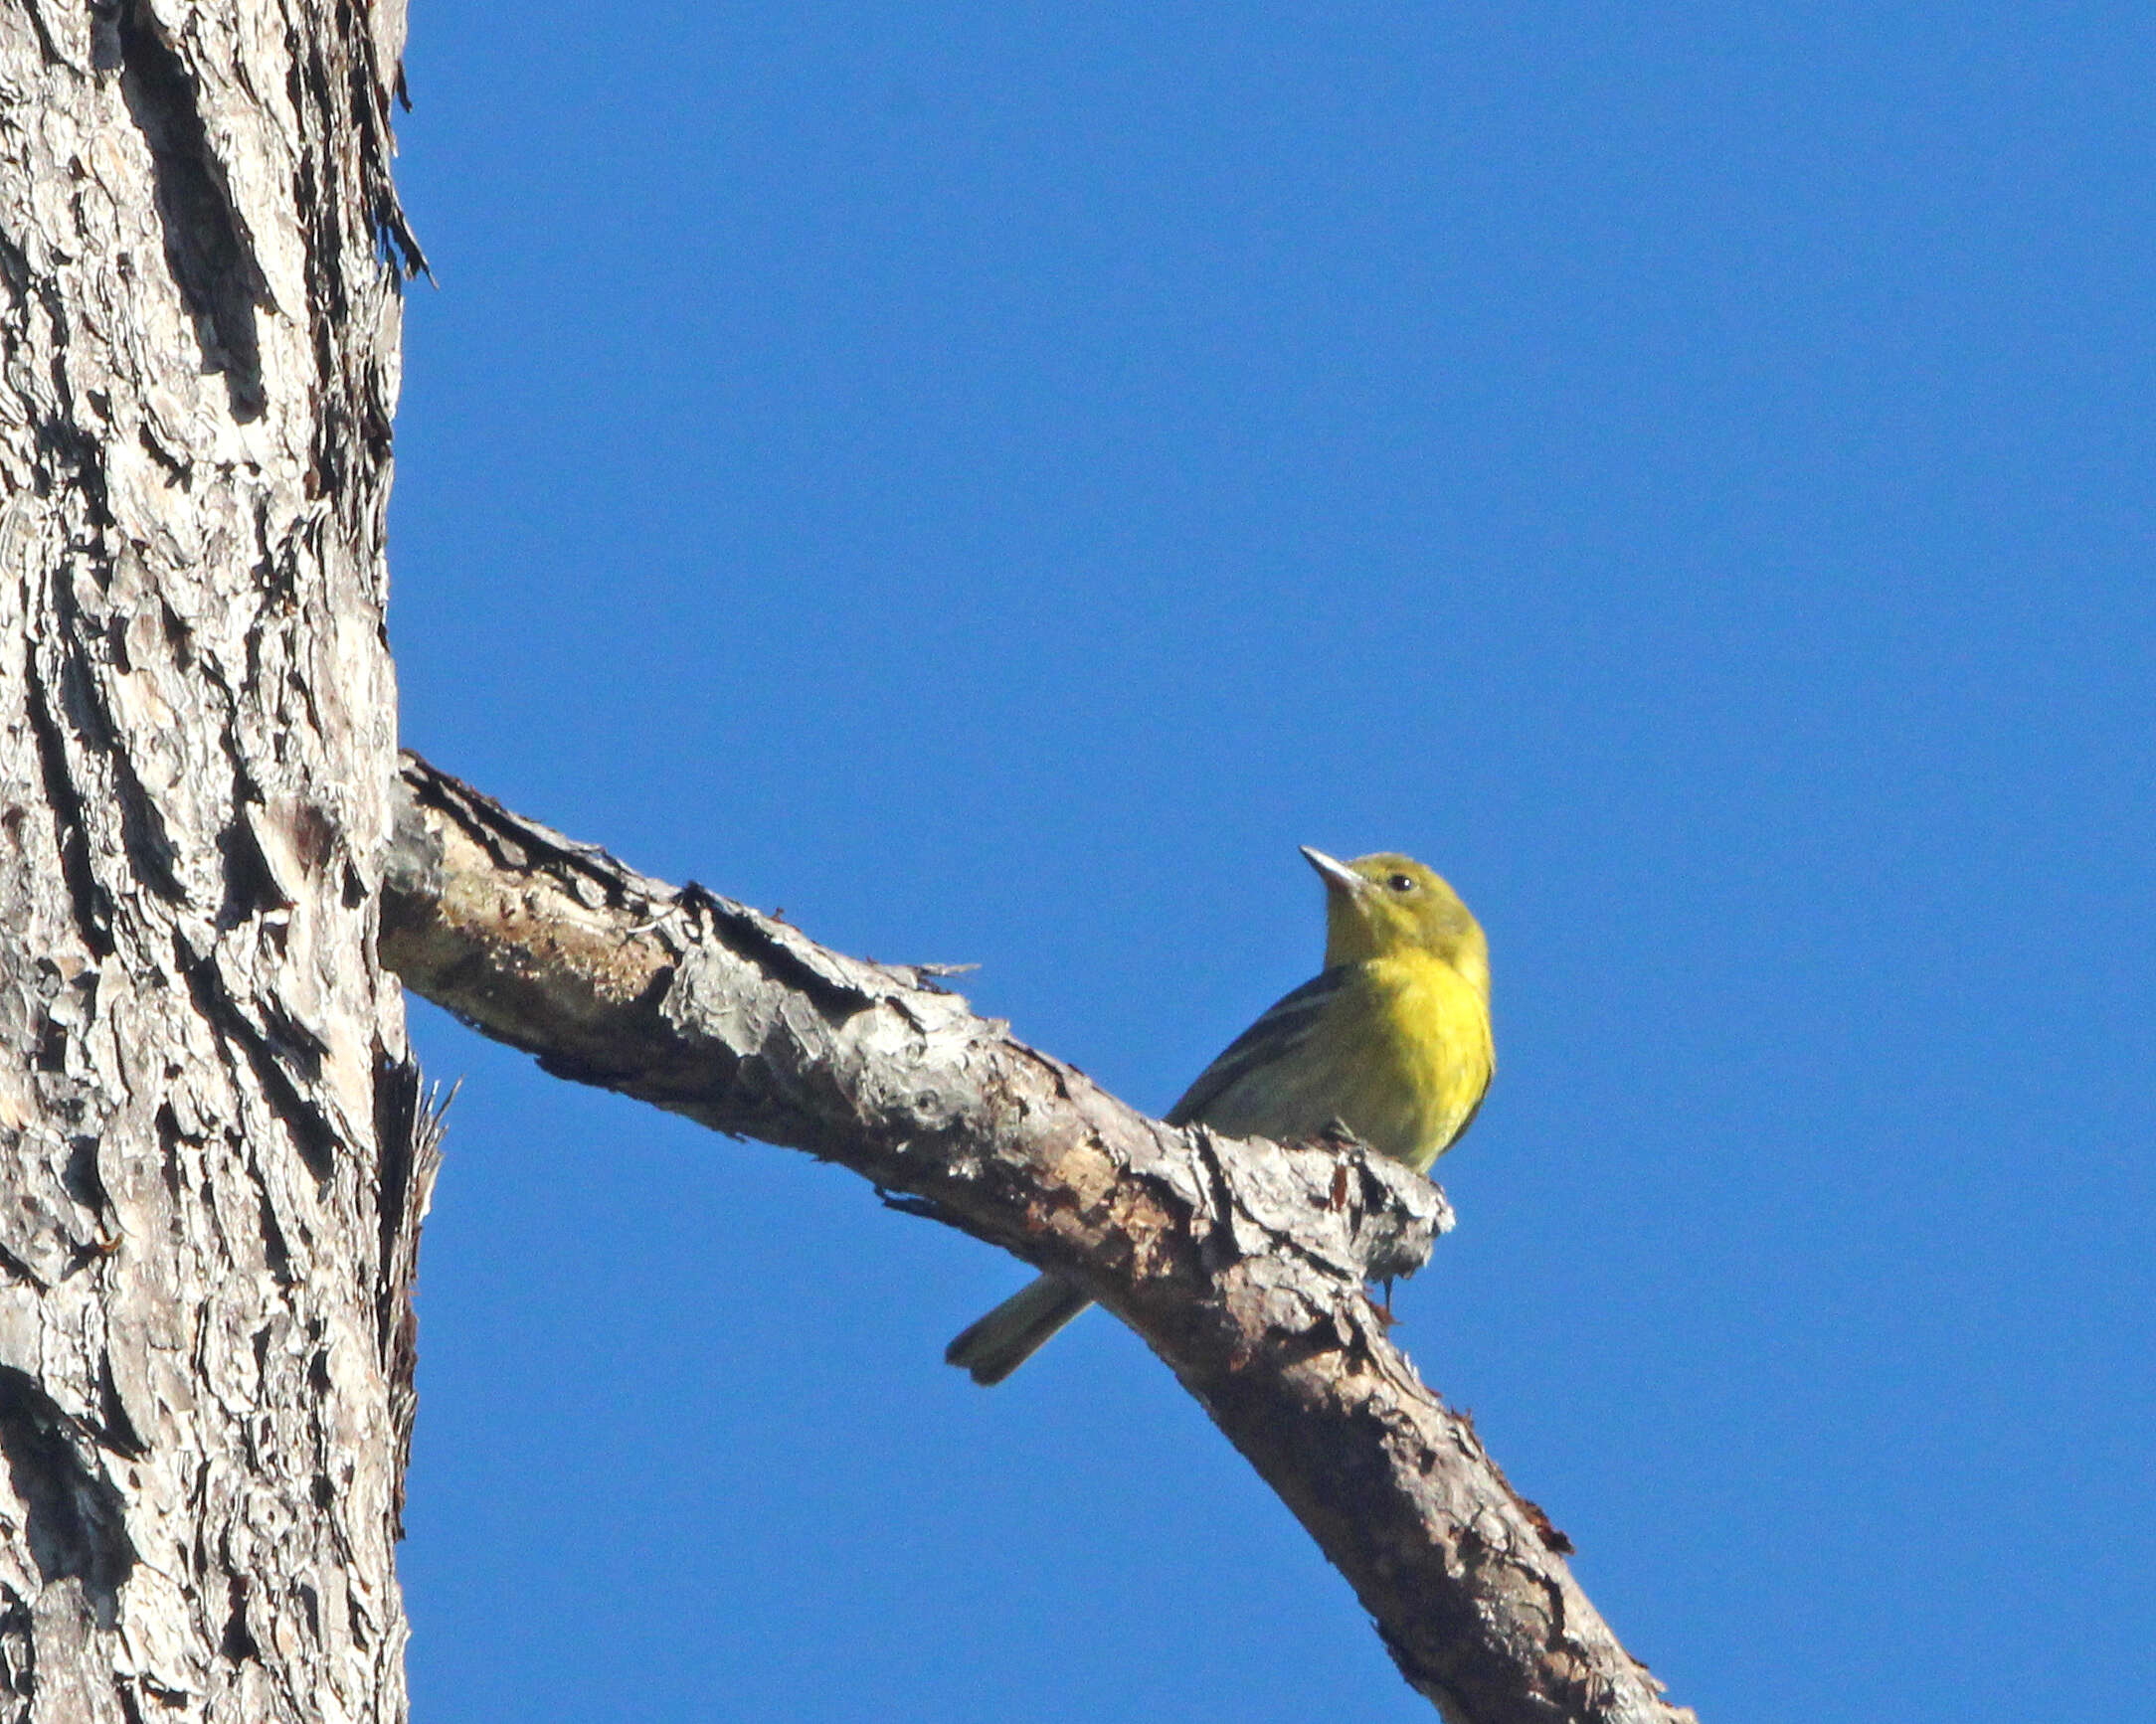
x: 272, y: 1059
x: 206, y: 242
x: 76, y: 1527
x: 409, y: 1123
x: 87, y: 899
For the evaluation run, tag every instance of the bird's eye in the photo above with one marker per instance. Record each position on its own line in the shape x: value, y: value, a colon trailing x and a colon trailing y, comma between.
x: 1401, y: 883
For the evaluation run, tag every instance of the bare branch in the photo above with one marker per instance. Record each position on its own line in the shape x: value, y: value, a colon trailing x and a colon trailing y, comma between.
x: 1241, y: 1264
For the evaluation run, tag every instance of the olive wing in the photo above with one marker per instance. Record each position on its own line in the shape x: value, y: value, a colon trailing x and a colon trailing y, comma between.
x: 1279, y: 1031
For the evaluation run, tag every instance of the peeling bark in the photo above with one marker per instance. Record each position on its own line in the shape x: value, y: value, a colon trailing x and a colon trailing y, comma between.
x: 1241, y: 1264
x: 213, y: 1154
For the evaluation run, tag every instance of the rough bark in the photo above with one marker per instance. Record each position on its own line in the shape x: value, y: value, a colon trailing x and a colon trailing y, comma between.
x: 213, y: 1149
x: 1241, y: 1264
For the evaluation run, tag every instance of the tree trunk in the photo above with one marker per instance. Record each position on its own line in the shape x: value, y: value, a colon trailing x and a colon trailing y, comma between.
x: 215, y: 1152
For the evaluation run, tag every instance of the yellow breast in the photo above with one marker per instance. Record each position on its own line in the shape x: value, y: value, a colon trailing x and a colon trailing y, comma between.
x: 1430, y: 1057
x: 1400, y: 1054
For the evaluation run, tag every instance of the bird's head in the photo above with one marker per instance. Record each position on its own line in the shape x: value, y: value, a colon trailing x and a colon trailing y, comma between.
x: 1386, y: 905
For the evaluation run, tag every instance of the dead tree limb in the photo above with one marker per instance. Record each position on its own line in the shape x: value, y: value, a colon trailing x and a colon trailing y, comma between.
x: 1242, y: 1264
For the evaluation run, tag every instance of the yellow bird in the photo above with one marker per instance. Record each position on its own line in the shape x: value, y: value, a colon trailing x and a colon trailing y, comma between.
x: 1391, y: 1040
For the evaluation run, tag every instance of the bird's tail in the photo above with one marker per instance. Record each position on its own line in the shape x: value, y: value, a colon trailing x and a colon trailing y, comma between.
x: 1015, y: 1330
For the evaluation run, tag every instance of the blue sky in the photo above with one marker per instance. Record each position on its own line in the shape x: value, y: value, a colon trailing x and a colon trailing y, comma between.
x: 992, y: 481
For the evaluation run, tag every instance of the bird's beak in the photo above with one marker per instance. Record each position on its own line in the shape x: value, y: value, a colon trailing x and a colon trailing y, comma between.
x: 1336, y: 874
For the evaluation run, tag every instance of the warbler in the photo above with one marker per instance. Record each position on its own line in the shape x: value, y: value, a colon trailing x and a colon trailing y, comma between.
x: 1390, y: 1040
